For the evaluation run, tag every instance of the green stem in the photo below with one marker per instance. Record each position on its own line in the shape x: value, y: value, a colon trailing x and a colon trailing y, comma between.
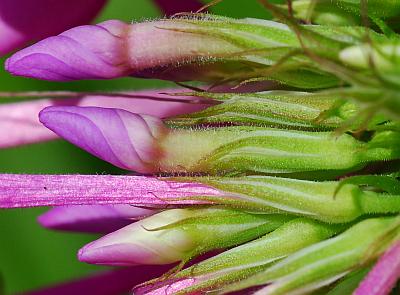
x: 372, y: 202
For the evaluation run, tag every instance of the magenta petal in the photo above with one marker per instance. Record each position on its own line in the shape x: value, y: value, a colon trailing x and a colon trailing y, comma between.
x: 20, y: 124
x: 23, y: 21
x: 384, y: 275
x: 19, y: 191
x: 171, y: 7
x: 113, y: 282
x: 125, y: 139
x: 92, y: 218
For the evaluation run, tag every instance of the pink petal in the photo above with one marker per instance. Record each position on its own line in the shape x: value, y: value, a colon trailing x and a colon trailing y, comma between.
x: 384, y: 275
x: 20, y: 124
x: 23, y: 21
x: 114, y: 282
x: 92, y: 218
x: 20, y: 191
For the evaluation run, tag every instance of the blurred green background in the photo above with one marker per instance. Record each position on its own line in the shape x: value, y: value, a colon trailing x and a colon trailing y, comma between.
x: 32, y: 257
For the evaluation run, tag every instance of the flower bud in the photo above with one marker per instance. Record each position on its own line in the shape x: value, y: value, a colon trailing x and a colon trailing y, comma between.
x: 207, y: 48
x: 177, y: 235
x: 124, y: 139
x: 142, y: 143
x: 245, y: 260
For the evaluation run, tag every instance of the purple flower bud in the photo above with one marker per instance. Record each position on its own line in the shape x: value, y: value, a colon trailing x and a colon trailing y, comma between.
x: 82, y: 52
x: 22, y: 21
x: 127, y: 140
x: 20, y: 124
x: 113, y: 49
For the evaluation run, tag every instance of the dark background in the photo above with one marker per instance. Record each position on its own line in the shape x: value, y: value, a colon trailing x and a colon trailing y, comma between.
x: 30, y: 256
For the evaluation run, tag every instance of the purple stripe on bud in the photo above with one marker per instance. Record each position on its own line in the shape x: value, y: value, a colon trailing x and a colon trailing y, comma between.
x: 384, y: 275
x: 20, y: 191
x: 92, y: 218
x: 126, y: 140
x: 22, y: 21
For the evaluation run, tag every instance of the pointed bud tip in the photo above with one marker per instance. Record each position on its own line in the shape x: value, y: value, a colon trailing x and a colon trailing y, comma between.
x: 124, y: 139
x: 84, y: 52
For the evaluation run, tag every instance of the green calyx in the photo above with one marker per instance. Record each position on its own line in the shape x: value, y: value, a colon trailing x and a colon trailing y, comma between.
x: 322, y: 263
x: 255, y: 256
x: 327, y: 201
x: 279, y: 109
x: 216, y: 228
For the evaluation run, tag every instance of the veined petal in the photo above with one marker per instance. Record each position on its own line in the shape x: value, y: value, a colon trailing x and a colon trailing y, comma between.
x: 124, y: 139
x: 92, y: 218
x: 21, y: 21
x: 19, y: 191
x: 20, y: 124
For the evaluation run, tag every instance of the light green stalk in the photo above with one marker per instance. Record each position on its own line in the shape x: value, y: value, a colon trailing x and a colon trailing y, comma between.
x: 329, y: 201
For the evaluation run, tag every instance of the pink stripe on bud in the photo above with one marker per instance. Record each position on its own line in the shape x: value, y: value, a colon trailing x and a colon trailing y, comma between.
x: 19, y: 191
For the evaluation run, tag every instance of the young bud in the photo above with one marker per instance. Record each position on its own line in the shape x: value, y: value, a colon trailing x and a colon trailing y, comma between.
x: 326, y: 262
x: 142, y: 143
x: 178, y: 235
x: 245, y: 260
x: 206, y: 48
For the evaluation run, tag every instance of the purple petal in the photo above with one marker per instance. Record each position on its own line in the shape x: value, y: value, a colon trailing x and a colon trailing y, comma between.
x: 384, y: 275
x: 20, y: 124
x: 19, y: 191
x: 23, y: 21
x: 171, y: 7
x: 125, y: 139
x: 85, y: 52
x: 112, y: 282
x: 92, y: 218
